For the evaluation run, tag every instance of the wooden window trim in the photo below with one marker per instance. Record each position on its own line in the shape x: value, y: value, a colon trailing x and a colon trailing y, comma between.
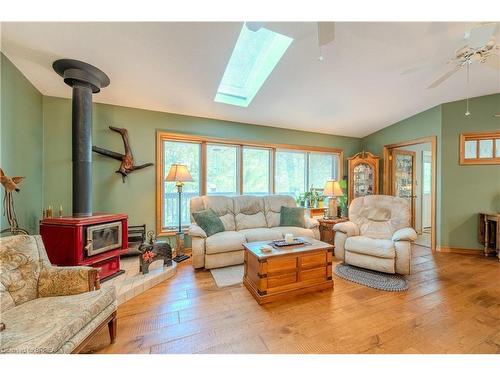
x: 478, y: 136
x: 162, y: 136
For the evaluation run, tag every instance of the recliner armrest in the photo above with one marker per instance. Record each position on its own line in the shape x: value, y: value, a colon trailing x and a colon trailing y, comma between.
x: 347, y: 227
x: 404, y: 234
x: 196, y: 231
x: 311, y: 223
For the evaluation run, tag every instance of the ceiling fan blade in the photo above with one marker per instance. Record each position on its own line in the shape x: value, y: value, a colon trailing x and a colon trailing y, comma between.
x: 444, y: 77
x: 493, y: 61
x: 415, y: 69
x: 480, y: 35
x: 326, y: 33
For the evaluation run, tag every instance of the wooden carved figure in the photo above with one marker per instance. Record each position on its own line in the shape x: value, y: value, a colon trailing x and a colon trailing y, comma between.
x: 10, y: 185
x: 127, y: 160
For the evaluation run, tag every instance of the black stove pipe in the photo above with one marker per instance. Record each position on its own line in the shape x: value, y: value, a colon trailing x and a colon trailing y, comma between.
x: 82, y: 150
x: 85, y: 80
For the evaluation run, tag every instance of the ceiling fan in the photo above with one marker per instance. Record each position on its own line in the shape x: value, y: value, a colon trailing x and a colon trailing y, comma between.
x: 481, y: 47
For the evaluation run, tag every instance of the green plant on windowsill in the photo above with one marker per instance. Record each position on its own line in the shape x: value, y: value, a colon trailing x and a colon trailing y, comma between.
x: 309, y: 199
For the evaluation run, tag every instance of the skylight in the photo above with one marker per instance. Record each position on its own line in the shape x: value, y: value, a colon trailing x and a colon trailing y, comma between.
x: 254, y: 57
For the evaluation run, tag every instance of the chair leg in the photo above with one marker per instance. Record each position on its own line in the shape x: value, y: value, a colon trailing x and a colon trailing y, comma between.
x: 112, y: 328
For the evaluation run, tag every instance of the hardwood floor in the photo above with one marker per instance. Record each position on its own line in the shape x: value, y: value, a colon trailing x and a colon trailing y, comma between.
x: 452, y: 306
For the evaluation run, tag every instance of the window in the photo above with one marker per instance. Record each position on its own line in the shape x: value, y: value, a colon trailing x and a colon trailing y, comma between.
x: 480, y: 148
x: 322, y: 167
x: 186, y: 153
x: 222, y: 170
x: 223, y: 167
x: 256, y: 171
x: 297, y: 171
x: 486, y: 148
x: 290, y: 172
x: 427, y: 177
x: 470, y: 149
x: 256, y: 53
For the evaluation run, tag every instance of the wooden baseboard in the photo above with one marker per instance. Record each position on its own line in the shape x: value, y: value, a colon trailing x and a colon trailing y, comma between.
x: 458, y: 250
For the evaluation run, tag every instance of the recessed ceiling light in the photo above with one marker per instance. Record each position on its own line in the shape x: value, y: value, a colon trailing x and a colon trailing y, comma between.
x: 254, y: 57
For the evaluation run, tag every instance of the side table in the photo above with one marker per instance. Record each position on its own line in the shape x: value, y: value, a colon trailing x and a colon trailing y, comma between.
x: 327, y: 234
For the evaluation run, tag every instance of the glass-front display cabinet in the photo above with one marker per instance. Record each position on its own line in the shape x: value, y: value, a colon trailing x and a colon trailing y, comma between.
x: 363, y: 175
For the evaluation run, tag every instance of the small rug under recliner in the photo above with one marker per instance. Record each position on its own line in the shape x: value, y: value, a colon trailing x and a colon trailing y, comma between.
x: 373, y: 279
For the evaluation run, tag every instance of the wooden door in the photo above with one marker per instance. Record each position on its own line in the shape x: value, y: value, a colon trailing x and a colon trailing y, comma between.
x: 403, y: 178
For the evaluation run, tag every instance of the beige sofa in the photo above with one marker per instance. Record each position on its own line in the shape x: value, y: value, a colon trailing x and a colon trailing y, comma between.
x: 246, y: 219
x: 378, y: 235
x: 46, y: 309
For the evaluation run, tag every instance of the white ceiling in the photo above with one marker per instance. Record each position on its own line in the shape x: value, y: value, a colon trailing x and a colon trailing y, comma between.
x: 177, y: 67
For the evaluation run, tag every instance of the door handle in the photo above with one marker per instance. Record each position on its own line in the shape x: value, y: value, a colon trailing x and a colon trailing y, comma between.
x: 88, y: 245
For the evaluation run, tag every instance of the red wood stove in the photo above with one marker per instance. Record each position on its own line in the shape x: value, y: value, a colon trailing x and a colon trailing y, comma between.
x: 96, y: 241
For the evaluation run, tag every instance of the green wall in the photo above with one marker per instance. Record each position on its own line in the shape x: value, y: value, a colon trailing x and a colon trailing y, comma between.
x: 467, y: 189
x: 21, y: 144
x: 424, y: 124
x: 462, y: 191
x: 136, y: 197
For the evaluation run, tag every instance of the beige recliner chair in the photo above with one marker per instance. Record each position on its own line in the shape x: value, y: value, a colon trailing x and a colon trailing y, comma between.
x: 377, y: 236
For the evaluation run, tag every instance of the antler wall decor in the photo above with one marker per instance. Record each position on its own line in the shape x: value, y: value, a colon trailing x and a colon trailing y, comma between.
x: 10, y: 184
x: 127, y: 161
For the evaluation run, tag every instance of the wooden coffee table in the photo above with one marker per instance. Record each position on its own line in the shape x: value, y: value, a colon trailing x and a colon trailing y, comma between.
x: 287, y: 271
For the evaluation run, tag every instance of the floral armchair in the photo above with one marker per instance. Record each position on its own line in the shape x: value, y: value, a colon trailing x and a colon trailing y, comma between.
x: 47, y: 309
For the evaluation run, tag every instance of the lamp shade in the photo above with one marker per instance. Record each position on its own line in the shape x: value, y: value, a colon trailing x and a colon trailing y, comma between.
x: 178, y: 173
x: 333, y: 189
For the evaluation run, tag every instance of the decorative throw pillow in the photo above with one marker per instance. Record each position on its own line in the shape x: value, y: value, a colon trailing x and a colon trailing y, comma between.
x: 208, y: 221
x: 292, y: 217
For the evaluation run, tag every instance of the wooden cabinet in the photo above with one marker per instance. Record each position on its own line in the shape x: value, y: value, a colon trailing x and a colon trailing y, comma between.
x: 326, y: 232
x: 489, y: 233
x: 363, y: 175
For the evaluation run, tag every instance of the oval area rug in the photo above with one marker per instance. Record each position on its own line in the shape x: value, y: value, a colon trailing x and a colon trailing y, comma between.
x: 372, y: 279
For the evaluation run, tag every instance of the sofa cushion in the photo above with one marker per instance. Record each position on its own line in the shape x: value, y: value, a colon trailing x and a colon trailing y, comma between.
x: 43, y: 325
x: 292, y: 217
x: 272, y: 208
x: 249, y: 212
x: 208, y: 221
x: 261, y: 234
x: 222, y: 206
x: 370, y: 246
x: 296, y: 231
x: 224, y: 241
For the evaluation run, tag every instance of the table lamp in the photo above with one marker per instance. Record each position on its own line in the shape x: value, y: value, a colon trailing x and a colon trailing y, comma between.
x: 179, y: 174
x: 332, y: 190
